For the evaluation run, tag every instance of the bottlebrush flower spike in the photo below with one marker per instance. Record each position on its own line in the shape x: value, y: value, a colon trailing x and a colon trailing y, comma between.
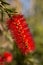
x: 8, y: 57
x: 21, y: 33
x: 1, y: 60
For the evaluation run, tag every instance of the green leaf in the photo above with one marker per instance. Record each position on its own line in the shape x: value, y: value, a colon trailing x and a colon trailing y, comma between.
x: 11, y: 10
x: 3, y: 2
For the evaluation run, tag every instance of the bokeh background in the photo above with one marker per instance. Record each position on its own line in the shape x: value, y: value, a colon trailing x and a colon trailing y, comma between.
x: 33, y: 12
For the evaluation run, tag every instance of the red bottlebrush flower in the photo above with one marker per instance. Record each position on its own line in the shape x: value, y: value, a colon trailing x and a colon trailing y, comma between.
x: 8, y: 57
x: 21, y: 33
x: 1, y: 60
